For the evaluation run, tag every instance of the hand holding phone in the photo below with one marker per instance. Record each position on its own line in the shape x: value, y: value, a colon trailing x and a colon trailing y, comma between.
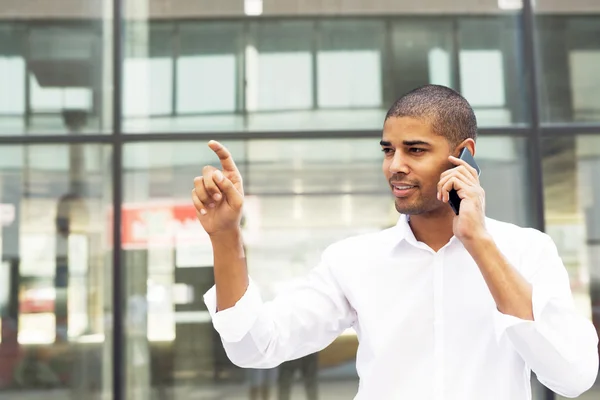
x: 453, y: 198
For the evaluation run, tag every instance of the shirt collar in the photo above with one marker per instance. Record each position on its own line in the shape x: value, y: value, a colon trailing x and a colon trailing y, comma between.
x: 404, y: 231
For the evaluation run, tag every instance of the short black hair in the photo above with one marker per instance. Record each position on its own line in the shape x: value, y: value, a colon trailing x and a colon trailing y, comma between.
x: 449, y: 113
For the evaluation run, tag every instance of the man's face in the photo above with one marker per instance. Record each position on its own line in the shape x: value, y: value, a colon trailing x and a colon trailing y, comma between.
x: 414, y: 158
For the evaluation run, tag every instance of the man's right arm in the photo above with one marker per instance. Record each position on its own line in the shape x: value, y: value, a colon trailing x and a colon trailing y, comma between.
x: 218, y: 197
x: 231, y: 273
x: 299, y: 321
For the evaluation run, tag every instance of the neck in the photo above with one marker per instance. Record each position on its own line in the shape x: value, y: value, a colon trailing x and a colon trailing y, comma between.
x: 433, y: 228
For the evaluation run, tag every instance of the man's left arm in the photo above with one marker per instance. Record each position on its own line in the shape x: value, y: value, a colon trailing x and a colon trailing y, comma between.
x: 538, y: 316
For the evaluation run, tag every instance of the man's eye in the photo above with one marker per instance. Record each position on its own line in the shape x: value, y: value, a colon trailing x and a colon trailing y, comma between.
x: 416, y: 150
x: 387, y: 150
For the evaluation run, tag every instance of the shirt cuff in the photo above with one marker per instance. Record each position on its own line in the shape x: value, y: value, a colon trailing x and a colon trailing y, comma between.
x: 235, y: 322
x: 502, y: 322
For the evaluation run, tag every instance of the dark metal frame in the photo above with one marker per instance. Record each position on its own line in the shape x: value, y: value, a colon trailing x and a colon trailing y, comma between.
x: 534, y: 131
x: 118, y: 330
x: 535, y: 151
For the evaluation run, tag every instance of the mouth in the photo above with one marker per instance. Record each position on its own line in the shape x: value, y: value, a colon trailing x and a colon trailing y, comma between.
x: 403, y: 190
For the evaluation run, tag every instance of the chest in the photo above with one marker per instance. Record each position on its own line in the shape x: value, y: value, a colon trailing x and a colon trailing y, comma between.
x: 407, y: 294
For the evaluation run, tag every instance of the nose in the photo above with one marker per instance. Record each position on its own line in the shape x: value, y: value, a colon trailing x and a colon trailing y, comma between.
x: 398, y: 164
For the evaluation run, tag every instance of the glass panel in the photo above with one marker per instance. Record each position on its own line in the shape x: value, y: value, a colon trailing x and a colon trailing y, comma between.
x: 491, y: 69
x: 315, y: 74
x: 276, y: 52
x: 569, y: 54
x: 168, y: 266
x: 56, y: 75
x: 207, y: 68
x: 148, y: 71
x: 422, y: 53
x: 55, y: 297
x: 572, y: 201
x: 349, y: 64
x: 302, y: 195
x: 503, y: 162
x: 468, y: 54
x: 183, y: 77
x: 336, y: 82
x: 315, y: 167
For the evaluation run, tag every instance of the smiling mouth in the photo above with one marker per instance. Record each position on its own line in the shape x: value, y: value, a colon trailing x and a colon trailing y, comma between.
x: 402, y: 191
x: 403, y: 187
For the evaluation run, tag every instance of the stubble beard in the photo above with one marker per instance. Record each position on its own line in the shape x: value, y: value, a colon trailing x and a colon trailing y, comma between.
x: 417, y: 207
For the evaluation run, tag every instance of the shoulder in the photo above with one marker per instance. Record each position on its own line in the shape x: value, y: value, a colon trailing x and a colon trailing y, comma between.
x: 519, y: 240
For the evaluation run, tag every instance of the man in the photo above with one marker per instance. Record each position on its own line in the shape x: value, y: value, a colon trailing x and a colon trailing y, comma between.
x: 445, y: 306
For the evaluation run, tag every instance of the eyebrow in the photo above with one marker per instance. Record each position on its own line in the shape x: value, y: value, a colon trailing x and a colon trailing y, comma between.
x: 406, y: 143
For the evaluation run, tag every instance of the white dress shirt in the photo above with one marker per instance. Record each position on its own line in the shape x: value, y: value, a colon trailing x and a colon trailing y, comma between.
x: 427, y: 325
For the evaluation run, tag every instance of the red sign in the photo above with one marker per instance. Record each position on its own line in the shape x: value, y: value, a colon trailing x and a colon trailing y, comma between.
x: 159, y: 224
x: 172, y: 224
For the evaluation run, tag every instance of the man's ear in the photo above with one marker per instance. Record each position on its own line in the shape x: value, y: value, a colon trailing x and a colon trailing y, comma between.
x: 469, y: 144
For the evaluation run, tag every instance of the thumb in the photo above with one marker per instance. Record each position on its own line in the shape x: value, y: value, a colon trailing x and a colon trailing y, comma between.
x: 234, y: 198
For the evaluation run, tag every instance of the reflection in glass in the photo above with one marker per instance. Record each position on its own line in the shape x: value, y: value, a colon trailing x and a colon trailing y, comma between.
x: 491, y: 70
x: 54, y: 207
x: 569, y: 53
x: 349, y: 64
x: 52, y: 69
x: 314, y: 74
x: 208, y: 61
x: 168, y: 266
x: 279, y: 66
x: 301, y: 196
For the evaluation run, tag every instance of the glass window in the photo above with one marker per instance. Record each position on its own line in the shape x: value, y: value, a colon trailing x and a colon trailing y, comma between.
x: 55, y: 77
x: 569, y: 54
x: 350, y: 64
x: 343, y: 75
x: 168, y: 264
x: 12, y: 77
x: 422, y: 53
x: 148, y: 70
x: 491, y: 69
x: 572, y: 202
x: 184, y: 77
x: 315, y: 74
x: 503, y: 162
x: 315, y: 166
x: 301, y: 196
x: 467, y: 54
x: 279, y: 66
x: 55, y: 303
x: 207, y: 68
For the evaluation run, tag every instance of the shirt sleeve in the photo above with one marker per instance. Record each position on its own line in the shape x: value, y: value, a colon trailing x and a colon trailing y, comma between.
x: 298, y: 322
x: 559, y: 345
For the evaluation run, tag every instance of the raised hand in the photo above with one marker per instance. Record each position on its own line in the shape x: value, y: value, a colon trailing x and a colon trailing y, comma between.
x: 218, y: 195
x: 470, y: 222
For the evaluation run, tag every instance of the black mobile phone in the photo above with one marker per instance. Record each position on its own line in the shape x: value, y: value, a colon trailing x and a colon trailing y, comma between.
x: 453, y: 198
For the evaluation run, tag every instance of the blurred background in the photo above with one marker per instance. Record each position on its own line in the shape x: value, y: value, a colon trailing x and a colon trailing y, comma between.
x: 105, y: 110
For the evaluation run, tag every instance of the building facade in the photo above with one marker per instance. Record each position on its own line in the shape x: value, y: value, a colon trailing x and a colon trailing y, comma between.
x: 105, y: 110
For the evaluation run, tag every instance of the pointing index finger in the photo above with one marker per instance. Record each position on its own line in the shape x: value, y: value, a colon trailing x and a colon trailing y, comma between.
x: 224, y: 156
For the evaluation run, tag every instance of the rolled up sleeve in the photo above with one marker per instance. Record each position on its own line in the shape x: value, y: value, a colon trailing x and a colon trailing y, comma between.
x: 235, y: 322
x: 559, y: 345
x: 297, y: 322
